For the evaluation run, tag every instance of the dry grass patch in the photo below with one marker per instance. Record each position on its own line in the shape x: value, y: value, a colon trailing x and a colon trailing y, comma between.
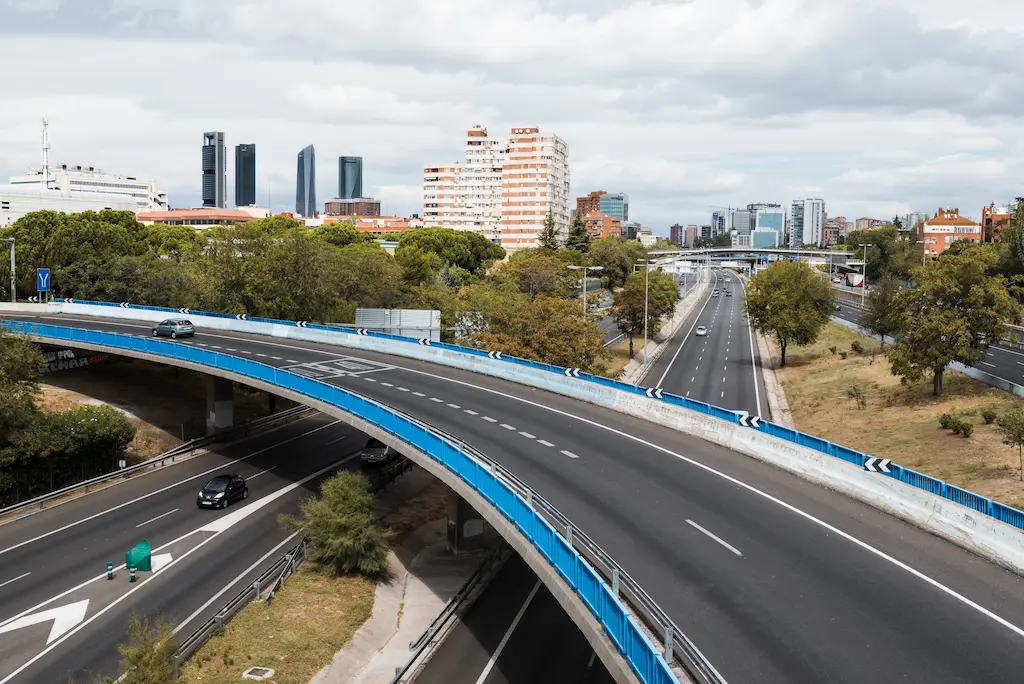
x: 430, y: 504
x: 311, y: 618
x: 858, y: 403
x: 619, y: 357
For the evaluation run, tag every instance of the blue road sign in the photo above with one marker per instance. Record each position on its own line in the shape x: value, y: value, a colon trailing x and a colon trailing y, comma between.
x: 43, y: 279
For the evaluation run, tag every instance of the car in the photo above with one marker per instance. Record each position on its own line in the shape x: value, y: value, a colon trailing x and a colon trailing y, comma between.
x: 837, y: 280
x: 728, y: 280
x: 728, y: 293
x: 221, y: 491
x: 714, y: 293
x: 174, y: 328
x: 839, y: 307
x: 702, y: 331
x: 376, y: 451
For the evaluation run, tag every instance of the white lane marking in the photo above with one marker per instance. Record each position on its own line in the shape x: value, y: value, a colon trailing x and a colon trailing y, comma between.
x: 470, y: 412
x: 687, y: 392
x: 489, y: 419
x: 419, y: 394
x: 507, y: 426
x: 693, y: 378
x: 717, y: 539
x: 235, y: 581
x: 262, y: 472
x: 725, y: 368
x: 723, y: 394
x: 162, y: 515
x: 454, y: 406
x: 277, y: 358
x: 569, y: 454
x: 545, y: 442
x: 263, y: 355
x: 696, y: 368
x: 292, y: 361
x: 164, y: 489
x: 402, y: 389
x: 689, y: 332
x: 723, y: 381
x: 333, y: 441
x: 527, y: 435
x: 436, y: 400
x: 990, y: 365
x: 216, y: 346
x: 246, y: 351
x: 230, y: 349
x: 508, y: 633
x: 15, y: 579
x: 368, y: 379
x: 701, y: 358
x: 64, y: 618
x: 387, y: 384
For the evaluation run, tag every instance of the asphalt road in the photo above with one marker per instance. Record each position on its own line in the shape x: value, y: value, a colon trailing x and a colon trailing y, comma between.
x: 723, y: 367
x: 774, y: 579
x: 515, y: 633
x: 60, y: 555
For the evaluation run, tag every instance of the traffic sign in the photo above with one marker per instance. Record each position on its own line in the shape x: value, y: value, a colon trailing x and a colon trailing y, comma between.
x: 42, y: 280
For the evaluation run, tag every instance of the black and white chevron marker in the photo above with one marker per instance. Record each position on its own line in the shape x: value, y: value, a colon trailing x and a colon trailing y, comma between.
x: 572, y: 372
x: 184, y: 311
x: 362, y: 331
x: 241, y: 317
x: 877, y: 465
x: 33, y: 299
x: 302, y: 324
x: 424, y: 342
x: 495, y: 355
x: 69, y: 300
x: 124, y: 305
x: 750, y: 421
x: 655, y: 393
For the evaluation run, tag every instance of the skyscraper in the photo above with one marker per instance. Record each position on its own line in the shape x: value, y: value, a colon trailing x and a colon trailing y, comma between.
x: 245, y: 175
x: 305, y: 182
x: 215, y: 170
x: 350, y: 177
x: 719, y: 223
x: 807, y: 223
x: 615, y: 204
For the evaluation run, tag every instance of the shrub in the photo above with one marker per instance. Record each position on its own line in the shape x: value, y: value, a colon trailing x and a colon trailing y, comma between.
x: 947, y: 421
x: 833, y: 349
x: 856, y: 347
x: 843, y: 354
x: 988, y: 414
x: 856, y: 393
x: 964, y: 428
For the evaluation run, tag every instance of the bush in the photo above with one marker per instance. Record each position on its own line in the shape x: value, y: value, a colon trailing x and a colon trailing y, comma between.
x: 988, y: 414
x: 833, y: 349
x: 856, y: 347
x: 855, y: 392
x: 148, y: 655
x: 843, y: 354
x: 956, y: 424
x: 964, y: 428
x: 946, y: 421
x: 343, y: 536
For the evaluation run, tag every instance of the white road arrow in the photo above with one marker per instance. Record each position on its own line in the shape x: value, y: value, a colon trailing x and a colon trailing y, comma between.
x: 158, y: 561
x: 64, y: 619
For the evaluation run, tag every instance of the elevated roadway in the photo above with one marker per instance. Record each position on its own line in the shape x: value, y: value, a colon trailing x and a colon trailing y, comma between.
x: 775, y: 580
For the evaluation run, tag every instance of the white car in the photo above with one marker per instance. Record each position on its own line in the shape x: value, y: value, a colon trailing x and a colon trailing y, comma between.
x: 702, y: 331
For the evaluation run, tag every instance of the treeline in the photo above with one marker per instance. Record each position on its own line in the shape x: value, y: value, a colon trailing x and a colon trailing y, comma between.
x: 278, y: 268
x: 41, y: 452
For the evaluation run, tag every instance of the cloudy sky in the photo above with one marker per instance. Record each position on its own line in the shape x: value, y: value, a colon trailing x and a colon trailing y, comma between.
x: 878, y: 106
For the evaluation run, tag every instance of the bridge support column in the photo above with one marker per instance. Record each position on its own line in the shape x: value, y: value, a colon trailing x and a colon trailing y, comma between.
x: 466, y: 527
x: 220, y: 404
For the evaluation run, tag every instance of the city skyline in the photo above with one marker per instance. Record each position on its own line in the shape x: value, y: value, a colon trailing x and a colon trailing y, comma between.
x: 779, y: 120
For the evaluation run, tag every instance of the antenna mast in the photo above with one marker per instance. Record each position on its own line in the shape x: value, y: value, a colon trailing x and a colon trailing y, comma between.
x: 46, y: 154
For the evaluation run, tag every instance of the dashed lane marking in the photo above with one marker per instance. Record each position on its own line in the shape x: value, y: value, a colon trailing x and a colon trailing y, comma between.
x: 569, y: 454
x: 387, y: 384
x: 454, y: 406
x: 527, y: 435
x: 471, y: 412
x: 489, y: 419
x: 419, y: 394
x: 545, y: 442
x: 436, y: 400
x: 507, y: 426
x: 369, y: 379
x: 402, y: 389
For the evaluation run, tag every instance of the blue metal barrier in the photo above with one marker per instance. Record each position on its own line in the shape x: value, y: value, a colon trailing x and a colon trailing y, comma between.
x: 633, y: 645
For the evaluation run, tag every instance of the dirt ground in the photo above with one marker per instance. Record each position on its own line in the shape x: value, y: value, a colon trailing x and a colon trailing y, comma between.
x: 900, y: 422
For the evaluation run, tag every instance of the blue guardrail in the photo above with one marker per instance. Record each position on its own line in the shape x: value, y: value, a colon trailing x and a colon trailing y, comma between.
x: 631, y: 642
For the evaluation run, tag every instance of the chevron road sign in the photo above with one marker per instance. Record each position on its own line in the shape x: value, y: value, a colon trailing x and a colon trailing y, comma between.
x: 362, y: 331
x: 494, y: 355
x: 424, y: 341
x: 750, y: 421
x: 655, y: 393
x: 184, y: 311
x: 877, y: 465
x: 572, y: 372
x: 123, y: 305
x: 302, y: 324
x: 241, y: 317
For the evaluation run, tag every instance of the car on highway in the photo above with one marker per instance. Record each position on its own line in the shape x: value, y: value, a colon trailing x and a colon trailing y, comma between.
x: 702, y: 331
x: 174, y: 328
x: 376, y: 451
x: 728, y: 293
x: 714, y: 293
x: 221, y: 491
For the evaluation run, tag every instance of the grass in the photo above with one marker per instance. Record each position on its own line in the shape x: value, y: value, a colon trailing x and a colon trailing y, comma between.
x: 311, y: 618
x: 825, y: 394
x: 619, y: 357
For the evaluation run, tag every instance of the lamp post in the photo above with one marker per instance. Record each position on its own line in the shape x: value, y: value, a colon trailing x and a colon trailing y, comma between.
x: 864, y: 270
x: 585, y: 269
x: 647, y: 276
x: 14, y: 296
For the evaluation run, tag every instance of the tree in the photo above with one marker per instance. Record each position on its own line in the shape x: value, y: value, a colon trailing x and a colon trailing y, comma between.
x: 340, y: 234
x: 616, y: 256
x: 629, y: 305
x: 549, y: 234
x: 462, y: 248
x: 173, y: 242
x: 20, y: 360
x: 343, y: 536
x: 579, y: 239
x: 888, y: 252
x: 548, y: 330
x: 790, y: 302
x: 956, y: 308
x: 539, y: 271
x: 878, y: 314
x: 1011, y: 426
x: 148, y: 655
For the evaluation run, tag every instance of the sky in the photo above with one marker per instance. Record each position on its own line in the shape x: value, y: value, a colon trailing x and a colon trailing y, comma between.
x: 879, y: 107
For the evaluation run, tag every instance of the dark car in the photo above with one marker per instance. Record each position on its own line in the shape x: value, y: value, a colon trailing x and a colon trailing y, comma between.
x: 174, y: 328
x: 221, y: 491
x: 376, y: 451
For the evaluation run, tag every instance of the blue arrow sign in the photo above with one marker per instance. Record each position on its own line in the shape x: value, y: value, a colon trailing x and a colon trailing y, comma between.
x: 43, y: 279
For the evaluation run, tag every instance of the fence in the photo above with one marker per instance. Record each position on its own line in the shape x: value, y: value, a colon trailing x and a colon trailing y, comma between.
x: 513, y: 499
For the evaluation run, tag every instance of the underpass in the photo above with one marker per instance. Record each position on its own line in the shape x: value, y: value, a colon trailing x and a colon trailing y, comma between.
x: 746, y: 558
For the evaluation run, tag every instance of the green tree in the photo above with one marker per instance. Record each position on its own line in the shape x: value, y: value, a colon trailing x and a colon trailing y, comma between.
x: 888, y: 252
x: 172, y: 242
x: 878, y: 313
x: 1011, y: 427
x: 548, y: 330
x: 954, y: 310
x: 579, y: 239
x: 370, y: 277
x: 340, y: 234
x: 539, y: 271
x: 616, y: 256
x: 419, y: 265
x: 343, y: 536
x: 549, y: 234
x: 148, y: 655
x: 1012, y: 240
x: 661, y: 244
x: 20, y: 360
x: 630, y: 304
x: 462, y: 248
x: 790, y: 302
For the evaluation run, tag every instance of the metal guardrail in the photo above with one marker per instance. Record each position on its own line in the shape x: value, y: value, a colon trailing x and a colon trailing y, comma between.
x: 157, y: 461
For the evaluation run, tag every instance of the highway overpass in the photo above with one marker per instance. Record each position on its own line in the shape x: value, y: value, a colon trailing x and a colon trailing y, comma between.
x: 774, y: 579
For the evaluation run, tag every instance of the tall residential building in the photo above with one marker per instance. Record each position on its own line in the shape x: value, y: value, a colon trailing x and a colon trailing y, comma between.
x: 691, y: 235
x: 504, y: 189
x: 215, y: 170
x: 592, y: 202
x: 305, y: 182
x: 705, y: 232
x: 911, y: 220
x: 600, y: 225
x: 350, y: 177
x: 245, y: 175
x: 947, y: 227
x: 675, y: 234
x: 807, y: 223
x: 720, y: 223
x: 615, y: 204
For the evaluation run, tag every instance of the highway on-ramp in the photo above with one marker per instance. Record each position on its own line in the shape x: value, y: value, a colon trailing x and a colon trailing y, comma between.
x: 774, y: 579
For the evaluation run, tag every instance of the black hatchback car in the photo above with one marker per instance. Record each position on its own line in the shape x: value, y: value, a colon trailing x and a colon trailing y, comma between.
x: 221, y: 491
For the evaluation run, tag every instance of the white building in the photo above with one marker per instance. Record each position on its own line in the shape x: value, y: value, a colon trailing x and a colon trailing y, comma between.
x: 18, y: 200
x: 504, y: 189
x: 807, y: 223
x: 86, y: 179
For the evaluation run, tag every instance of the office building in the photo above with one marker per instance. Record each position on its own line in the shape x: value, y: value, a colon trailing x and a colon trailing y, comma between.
x: 18, y: 200
x: 948, y: 226
x: 807, y: 223
x: 143, y: 194
x: 691, y: 235
x: 504, y: 189
x: 765, y: 238
x: 305, y: 182
x: 705, y: 232
x: 911, y: 220
x: 720, y: 223
x: 676, y: 234
x: 356, y: 206
x: 245, y: 175
x: 601, y: 225
x: 615, y: 204
x: 743, y: 221
x: 350, y: 177
x: 215, y: 170
x: 630, y: 229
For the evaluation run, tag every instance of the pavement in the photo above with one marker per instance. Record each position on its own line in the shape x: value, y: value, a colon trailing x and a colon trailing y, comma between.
x: 774, y: 579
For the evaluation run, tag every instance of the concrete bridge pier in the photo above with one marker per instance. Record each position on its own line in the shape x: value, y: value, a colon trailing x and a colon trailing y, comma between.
x: 467, y: 530
x: 220, y: 404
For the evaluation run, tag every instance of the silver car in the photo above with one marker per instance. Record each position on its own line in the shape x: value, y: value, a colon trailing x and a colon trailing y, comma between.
x: 702, y: 331
x: 376, y: 451
x: 174, y: 328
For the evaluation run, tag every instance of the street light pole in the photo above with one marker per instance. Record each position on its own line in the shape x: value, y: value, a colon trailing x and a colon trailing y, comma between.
x: 14, y: 296
x: 647, y: 275
x: 864, y: 270
x: 584, y: 269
